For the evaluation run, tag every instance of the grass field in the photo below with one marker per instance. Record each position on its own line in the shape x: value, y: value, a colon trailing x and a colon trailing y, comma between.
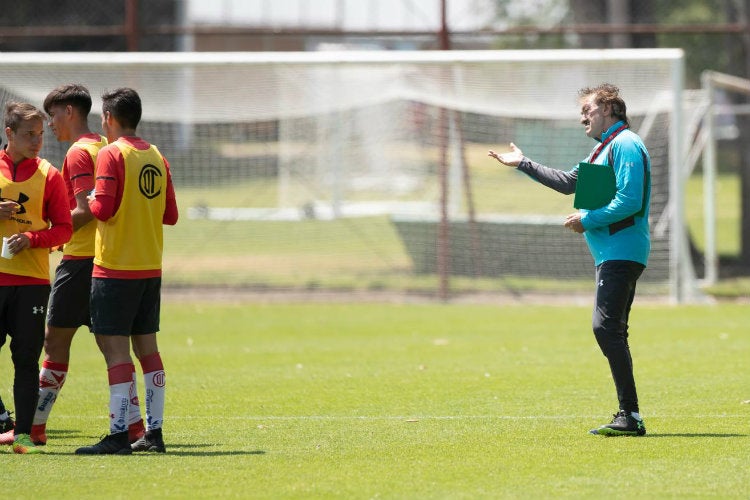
x: 411, y: 401
x: 368, y: 254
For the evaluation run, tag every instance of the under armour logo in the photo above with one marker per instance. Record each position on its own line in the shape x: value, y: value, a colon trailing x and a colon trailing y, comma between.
x: 22, y: 198
x: 38, y: 309
x: 601, y: 282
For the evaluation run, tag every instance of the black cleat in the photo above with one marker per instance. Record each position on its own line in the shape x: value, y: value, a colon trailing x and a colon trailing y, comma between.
x: 151, y: 441
x: 7, y: 424
x: 624, y: 424
x: 112, y: 444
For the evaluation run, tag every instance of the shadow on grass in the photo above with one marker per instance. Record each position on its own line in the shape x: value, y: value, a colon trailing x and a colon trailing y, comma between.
x: 696, y: 435
x: 193, y: 449
x: 62, y: 433
x: 197, y: 450
x: 174, y: 451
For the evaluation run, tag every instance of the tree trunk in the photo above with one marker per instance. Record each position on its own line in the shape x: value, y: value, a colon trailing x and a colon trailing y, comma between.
x: 590, y: 11
x: 642, y: 12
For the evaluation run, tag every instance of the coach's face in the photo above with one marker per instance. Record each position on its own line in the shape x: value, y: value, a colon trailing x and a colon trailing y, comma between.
x: 594, y: 117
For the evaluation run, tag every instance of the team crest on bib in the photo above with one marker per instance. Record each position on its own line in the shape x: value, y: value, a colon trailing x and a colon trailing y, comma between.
x: 150, y: 181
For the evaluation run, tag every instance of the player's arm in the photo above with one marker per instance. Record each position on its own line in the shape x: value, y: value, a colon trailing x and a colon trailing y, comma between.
x: 110, y: 167
x: 81, y: 214
x: 170, y: 210
x: 81, y: 168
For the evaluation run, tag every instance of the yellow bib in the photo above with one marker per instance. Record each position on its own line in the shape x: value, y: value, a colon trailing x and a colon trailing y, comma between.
x: 29, y: 194
x: 81, y: 244
x: 132, y: 239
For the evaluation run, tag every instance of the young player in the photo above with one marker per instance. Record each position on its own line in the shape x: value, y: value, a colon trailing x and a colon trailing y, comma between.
x: 134, y: 198
x: 68, y: 107
x: 34, y: 217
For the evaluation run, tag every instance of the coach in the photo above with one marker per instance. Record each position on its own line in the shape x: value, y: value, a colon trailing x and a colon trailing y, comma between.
x: 617, y: 235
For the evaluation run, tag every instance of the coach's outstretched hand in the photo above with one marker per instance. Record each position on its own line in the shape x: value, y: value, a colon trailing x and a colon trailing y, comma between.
x: 512, y: 158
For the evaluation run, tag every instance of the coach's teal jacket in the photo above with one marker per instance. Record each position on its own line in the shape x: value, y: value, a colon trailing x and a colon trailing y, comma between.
x: 619, y: 230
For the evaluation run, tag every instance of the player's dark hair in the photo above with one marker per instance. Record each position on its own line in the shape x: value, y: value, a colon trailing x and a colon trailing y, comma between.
x: 124, y: 104
x: 73, y: 94
x: 19, y: 112
x: 606, y: 93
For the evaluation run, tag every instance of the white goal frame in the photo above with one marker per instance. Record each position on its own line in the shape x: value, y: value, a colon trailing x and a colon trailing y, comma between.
x: 186, y: 103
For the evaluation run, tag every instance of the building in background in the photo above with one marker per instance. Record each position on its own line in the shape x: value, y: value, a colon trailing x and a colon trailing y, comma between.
x: 237, y: 25
x: 303, y: 25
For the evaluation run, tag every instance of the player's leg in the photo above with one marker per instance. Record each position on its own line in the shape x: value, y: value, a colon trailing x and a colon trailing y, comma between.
x: 146, y: 349
x: 26, y: 327
x: 114, y: 305
x: 136, y: 428
x: 6, y: 421
x: 68, y: 310
x: 120, y: 372
x: 153, y: 378
x: 52, y: 376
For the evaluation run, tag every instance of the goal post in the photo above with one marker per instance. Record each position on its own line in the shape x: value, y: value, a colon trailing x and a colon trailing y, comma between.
x: 721, y: 114
x: 364, y: 170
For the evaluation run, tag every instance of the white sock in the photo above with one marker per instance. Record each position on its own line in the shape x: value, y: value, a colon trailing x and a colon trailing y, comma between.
x: 4, y: 416
x: 51, y: 379
x: 635, y: 415
x: 134, y: 414
x: 153, y: 378
x: 120, y: 390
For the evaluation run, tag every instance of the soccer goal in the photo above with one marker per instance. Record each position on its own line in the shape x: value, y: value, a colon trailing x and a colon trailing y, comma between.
x: 369, y: 170
x: 720, y: 115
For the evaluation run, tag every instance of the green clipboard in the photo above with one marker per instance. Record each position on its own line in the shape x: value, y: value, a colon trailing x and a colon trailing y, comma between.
x: 595, y: 187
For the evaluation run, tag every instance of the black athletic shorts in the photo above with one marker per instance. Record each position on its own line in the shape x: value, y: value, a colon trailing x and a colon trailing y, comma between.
x: 125, y: 307
x: 71, y: 292
x: 22, y: 313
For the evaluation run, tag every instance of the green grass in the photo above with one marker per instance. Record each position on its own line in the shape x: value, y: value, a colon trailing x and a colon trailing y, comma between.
x: 411, y: 401
x: 361, y: 254
x: 728, y: 213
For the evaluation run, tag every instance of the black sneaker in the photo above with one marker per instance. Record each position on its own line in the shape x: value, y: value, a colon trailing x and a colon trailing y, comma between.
x: 624, y: 424
x: 151, y: 441
x: 112, y: 444
x: 7, y: 424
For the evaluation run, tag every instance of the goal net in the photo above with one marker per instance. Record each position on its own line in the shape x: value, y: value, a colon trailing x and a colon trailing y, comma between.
x: 368, y: 171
